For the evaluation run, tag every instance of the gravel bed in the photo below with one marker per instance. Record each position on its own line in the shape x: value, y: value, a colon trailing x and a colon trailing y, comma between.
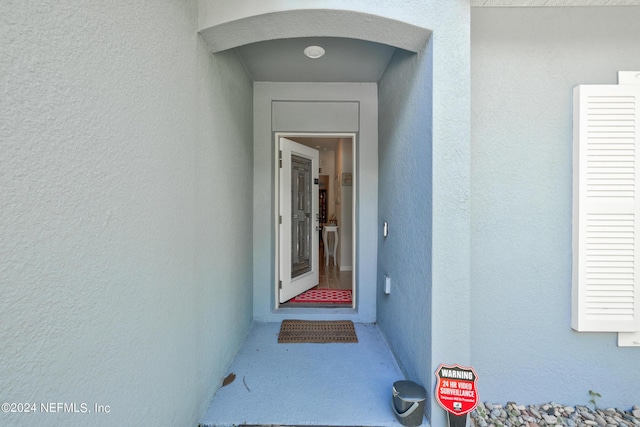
x: 552, y: 414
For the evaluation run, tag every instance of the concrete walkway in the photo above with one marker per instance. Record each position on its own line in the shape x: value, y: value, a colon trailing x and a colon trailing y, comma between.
x: 308, y: 384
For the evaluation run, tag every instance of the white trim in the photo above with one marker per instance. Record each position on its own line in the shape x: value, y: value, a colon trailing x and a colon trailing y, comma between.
x: 552, y: 3
x: 628, y: 339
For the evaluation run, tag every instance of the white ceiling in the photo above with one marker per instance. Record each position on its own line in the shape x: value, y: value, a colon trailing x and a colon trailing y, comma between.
x: 320, y: 143
x: 346, y: 60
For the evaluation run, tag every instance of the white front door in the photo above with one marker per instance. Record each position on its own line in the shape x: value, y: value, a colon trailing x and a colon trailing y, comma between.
x: 298, y: 234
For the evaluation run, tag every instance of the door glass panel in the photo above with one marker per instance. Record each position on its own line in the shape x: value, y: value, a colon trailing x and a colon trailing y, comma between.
x: 301, y: 221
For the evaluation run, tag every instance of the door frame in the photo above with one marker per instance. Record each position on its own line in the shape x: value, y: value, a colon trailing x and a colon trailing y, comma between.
x: 276, y: 206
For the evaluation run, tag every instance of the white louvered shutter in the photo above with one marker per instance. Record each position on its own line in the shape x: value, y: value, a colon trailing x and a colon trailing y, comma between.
x: 606, y: 208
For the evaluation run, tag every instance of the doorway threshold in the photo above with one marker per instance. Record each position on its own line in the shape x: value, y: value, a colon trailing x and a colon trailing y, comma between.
x: 336, y: 384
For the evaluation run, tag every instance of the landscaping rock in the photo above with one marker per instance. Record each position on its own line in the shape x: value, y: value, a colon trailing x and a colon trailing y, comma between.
x: 552, y: 414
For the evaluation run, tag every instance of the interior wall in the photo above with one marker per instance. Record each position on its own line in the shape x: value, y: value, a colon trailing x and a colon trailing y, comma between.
x: 338, y: 186
x: 339, y: 200
x: 357, y: 107
x: 525, y: 63
x: 346, y: 206
x: 126, y: 260
x: 328, y: 169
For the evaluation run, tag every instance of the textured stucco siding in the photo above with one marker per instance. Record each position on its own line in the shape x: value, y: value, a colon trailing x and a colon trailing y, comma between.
x: 525, y: 63
x: 406, y: 194
x: 424, y: 196
x: 125, y: 211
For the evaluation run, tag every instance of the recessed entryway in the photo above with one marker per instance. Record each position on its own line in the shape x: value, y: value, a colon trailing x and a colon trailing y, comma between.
x: 299, y: 110
x: 315, y: 203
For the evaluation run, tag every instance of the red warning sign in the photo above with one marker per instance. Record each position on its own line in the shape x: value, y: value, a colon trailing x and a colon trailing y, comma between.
x: 456, y: 389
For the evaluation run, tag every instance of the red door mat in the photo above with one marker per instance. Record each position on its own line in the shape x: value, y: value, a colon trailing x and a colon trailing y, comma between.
x: 323, y: 296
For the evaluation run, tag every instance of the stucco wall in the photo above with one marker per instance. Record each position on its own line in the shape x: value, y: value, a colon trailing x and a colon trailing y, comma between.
x: 525, y: 63
x: 424, y: 182
x: 406, y: 205
x: 126, y: 257
x: 324, y: 98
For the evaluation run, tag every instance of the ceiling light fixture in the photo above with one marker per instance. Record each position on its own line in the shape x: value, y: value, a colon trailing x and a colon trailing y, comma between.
x: 314, y: 52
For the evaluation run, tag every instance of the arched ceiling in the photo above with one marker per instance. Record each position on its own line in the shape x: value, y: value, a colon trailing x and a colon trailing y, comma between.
x: 358, y: 45
x: 315, y: 23
x: 345, y: 60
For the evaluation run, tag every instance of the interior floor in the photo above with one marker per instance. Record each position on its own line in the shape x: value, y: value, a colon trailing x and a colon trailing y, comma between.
x: 329, y: 277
